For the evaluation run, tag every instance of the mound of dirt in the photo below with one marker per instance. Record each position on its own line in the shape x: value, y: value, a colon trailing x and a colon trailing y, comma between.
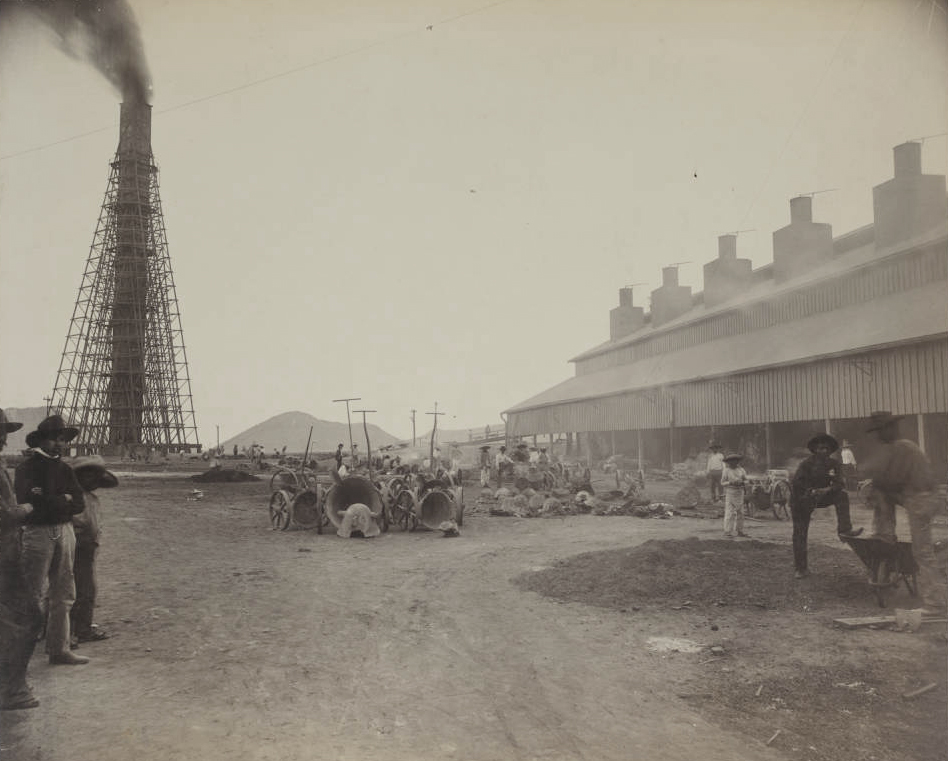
x: 705, y: 573
x: 224, y: 476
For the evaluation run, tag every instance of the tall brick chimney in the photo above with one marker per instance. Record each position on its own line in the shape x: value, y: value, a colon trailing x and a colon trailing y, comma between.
x: 911, y: 202
x: 132, y: 214
x: 803, y: 244
x: 727, y: 276
x: 625, y: 318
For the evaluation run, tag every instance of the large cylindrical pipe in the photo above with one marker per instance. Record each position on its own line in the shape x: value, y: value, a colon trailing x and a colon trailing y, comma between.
x: 436, y: 507
x: 349, y: 491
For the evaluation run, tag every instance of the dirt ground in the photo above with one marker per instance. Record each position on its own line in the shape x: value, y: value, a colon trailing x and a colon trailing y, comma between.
x: 576, y: 637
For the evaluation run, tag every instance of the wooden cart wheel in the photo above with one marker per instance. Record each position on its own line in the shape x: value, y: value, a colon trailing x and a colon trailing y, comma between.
x: 780, y: 500
x: 285, y: 480
x: 280, y: 502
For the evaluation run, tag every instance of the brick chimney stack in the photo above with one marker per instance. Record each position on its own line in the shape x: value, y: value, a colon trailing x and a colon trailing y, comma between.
x: 803, y: 244
x: 625, y: 319
x: 726, y: 276
x: 671, y: 300
x: 911, y: 202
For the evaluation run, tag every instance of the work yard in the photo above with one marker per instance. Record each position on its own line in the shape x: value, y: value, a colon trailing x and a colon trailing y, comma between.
x: 570, y: 637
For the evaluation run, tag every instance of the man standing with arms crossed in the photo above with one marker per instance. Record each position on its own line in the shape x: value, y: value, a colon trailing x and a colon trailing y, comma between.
x: 49, y: 543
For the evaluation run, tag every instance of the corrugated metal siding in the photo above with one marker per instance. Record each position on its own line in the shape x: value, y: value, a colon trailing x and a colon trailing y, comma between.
x: 907, y: 380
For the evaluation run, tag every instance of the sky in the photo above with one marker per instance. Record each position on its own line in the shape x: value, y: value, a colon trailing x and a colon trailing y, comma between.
x: 421, y: 201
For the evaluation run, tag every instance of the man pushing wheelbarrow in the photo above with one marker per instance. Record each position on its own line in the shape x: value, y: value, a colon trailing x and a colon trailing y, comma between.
x: 901, y: 475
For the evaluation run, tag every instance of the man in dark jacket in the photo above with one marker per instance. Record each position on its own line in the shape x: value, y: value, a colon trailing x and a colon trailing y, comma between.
x: 818, y: 482
x: 49, y: 543
x: 18, y: 626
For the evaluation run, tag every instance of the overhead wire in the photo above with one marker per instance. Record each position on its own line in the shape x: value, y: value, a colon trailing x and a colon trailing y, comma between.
x: 265, y: 80
x: 803, y: 111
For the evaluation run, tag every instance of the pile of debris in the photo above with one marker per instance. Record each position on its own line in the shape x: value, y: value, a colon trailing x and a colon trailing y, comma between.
x: 528, y: 503
x: 223, y: 476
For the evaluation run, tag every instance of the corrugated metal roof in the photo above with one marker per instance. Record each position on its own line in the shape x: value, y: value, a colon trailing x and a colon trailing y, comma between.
x: 762, y: 291
x: 912, y: 315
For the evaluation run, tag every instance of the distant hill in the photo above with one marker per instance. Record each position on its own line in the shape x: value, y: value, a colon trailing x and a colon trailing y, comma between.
x: 290, y: 429
x: 30, y: 417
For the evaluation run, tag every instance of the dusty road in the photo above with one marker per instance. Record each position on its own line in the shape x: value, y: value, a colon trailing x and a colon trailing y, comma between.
x: 234, y: 642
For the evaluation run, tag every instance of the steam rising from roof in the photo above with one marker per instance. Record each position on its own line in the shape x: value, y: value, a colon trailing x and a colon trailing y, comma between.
x: 103, y: 32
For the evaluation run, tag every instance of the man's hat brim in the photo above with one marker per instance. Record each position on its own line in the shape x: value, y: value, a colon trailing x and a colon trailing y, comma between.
x: 9, y: 427
x: 822, y: 438
x: 34, y: 438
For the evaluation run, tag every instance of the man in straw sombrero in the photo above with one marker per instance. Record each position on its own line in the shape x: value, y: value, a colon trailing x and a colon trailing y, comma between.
x: 902, y: 475
x: 92, y: 475
x: 18, y: 626
x: 49, y: 542
x: 818, y: 482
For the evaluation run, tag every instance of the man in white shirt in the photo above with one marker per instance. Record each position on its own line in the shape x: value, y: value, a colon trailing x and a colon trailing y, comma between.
x: 715, y: 469
x: 848, y: 459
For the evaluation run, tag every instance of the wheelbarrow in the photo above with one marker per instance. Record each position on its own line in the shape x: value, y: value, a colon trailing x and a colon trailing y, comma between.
x: 889, y: 564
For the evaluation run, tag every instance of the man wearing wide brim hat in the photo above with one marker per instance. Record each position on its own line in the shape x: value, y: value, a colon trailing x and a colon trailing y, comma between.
x: 818, y: 482
x: 901, y: 475
x: 92, y: 475
x: 48, y: 540
x: 18, y: 630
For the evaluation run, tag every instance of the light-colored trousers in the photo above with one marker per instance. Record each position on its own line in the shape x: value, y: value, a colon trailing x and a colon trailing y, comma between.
x: 733, y: 510
x: 48, y: 554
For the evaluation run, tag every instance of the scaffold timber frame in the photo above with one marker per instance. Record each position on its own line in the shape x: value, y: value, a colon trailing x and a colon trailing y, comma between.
x: 123, y: 377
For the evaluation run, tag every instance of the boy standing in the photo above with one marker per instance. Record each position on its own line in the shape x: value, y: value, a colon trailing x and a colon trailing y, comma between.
x: 733, y: 479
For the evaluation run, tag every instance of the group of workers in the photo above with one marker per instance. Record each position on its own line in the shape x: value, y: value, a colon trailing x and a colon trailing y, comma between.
x: 49, y: 536
x: 504, y: 463
x: 897, y: 474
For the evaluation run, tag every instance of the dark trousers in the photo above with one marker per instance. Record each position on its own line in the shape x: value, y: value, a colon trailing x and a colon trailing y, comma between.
x: 84, y: 573
x: 714, y: 480
x: 801, y: 510
x: 20, y: 627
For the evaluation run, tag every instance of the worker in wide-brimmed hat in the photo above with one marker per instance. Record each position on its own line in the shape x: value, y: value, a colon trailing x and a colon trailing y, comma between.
x: 48, y: 542
x: 92, y: 475
x: 733, y: 480
x: 901, y: 475
x: 18, y: 626
x: 715, y: 469
x: 818, y: 482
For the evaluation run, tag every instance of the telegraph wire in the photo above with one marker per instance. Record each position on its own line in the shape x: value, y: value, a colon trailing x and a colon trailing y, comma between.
x: 803, y: 111
x: 265, y: 80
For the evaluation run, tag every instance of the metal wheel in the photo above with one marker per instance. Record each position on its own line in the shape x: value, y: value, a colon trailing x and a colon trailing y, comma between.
x: 780, y: 500
x: 403, y: 510
x: 280, y: 502
x: 306, y: 510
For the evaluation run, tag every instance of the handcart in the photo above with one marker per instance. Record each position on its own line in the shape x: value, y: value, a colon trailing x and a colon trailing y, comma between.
x: 297, y: 498
x: 889, y: 564
x: 770, y: 491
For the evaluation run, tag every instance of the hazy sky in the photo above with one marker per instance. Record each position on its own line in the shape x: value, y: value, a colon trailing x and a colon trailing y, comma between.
x: 358, y: 205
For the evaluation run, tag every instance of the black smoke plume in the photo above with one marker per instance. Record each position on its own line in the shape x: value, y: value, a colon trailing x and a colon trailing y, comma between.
x: 103, y: 32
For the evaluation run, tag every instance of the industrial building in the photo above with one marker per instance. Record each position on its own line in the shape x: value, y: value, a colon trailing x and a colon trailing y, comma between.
x: 832, y: 329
